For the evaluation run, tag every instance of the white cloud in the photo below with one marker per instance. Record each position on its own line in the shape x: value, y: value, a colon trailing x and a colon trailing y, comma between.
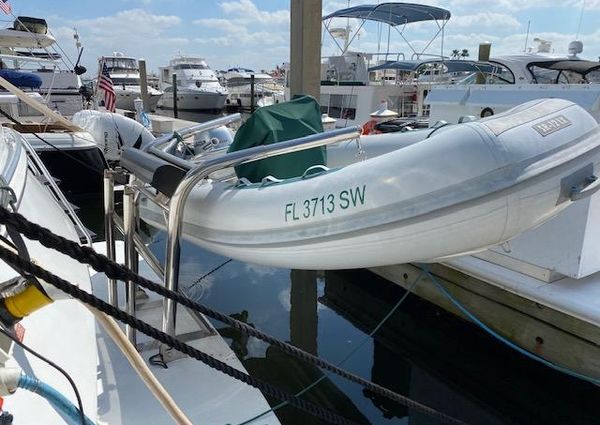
x: 246, y: 11
x: 243, y: 27
x: 484, y: 20
x: 134, y: 32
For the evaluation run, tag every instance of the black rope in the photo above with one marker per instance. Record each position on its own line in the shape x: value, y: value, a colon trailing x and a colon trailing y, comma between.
x: 54, y: 365
x: 141, y: 326
x: 56, y: 148
x: 117, y: 271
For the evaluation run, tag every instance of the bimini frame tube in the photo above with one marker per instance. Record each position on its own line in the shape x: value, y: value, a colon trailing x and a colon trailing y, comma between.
x: 200, y: 171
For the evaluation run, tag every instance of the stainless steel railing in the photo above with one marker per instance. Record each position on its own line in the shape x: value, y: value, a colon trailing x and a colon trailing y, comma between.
x: 203, y: 169
x: 174, y: 206
x: 40, y: 169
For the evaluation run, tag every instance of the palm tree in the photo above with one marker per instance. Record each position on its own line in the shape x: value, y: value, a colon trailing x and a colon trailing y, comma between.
x: 464, y: 54
x: 455, y: 54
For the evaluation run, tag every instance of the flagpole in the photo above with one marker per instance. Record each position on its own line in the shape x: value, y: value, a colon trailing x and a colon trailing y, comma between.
x: 100, y: 65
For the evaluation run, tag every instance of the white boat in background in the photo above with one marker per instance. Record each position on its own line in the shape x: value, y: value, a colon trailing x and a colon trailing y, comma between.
x: 352, y: 82
x: 198, y: 87
x: 266, y: 90
x: 28, y: 49
x: 505, y: 81
x: 125, y: 75
x: 26, y: 32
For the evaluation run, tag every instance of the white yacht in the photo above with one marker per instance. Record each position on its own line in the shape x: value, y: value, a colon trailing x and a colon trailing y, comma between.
x: 198, y: 87
x: 505, y: 81
x: 353, y: 84
x: 29, y: 59
x: 239, y: 82
x: 125, y: 75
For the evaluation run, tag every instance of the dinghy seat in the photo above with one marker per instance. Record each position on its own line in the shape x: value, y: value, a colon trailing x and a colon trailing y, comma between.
x: 277, y: 123
x: 160, y: 174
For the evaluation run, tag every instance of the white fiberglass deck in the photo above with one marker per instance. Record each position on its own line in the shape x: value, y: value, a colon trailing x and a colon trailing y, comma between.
x: 205, y: 395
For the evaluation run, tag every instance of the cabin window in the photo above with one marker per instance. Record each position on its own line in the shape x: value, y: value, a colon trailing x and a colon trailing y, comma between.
x: 190, y: 66
x: 126, y: 81
x: 121, y: 64
x: 339, y: 106
x: 593, y: 77
x: 553, y: 76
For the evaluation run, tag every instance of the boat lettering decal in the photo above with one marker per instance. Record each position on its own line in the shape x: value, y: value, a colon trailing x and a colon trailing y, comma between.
x: 326, y: 204
x: 551, y: 125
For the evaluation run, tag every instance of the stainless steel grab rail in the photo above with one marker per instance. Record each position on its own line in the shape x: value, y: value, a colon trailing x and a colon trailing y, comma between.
x: 203, y: 169
x: 189, y: 131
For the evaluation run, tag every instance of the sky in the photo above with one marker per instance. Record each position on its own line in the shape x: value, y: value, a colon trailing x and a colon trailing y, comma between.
x: 255, y: 33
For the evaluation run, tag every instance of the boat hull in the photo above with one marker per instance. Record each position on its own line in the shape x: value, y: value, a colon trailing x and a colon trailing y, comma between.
x: 460, y: 191
x: 126, y: 97
x: 195, y: 100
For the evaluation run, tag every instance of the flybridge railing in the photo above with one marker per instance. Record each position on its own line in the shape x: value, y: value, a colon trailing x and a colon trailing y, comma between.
x: 173, y: 207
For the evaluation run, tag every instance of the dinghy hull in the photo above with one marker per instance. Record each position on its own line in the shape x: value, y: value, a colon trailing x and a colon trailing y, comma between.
x: 459, y: 191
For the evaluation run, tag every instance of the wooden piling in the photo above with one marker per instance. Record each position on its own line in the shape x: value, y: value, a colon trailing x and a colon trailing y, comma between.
x: 175, y: 112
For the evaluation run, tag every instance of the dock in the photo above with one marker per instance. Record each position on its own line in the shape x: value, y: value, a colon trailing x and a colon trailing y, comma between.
x: 554, y: 335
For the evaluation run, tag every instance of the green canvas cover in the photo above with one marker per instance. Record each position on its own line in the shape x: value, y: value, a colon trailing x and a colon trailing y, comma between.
x: 276, y: 123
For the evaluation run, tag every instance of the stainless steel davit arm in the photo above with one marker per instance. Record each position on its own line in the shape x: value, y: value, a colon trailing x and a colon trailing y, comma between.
x: 200, y: 171
x: 172, y: 139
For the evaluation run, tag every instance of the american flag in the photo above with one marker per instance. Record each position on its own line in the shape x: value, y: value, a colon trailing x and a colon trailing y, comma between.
x: 106, y: 84
x: 5, y: 6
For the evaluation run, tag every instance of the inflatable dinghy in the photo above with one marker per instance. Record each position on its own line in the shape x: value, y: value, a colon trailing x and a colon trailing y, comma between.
x: 460, y: 190
x: 114, y: 132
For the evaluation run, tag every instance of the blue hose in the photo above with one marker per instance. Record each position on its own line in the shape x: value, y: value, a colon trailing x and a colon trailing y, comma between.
x: 502, y: 339
x: 56, y: 399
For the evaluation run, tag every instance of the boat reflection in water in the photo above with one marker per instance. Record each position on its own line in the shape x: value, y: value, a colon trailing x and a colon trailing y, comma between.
x: 442, y: 361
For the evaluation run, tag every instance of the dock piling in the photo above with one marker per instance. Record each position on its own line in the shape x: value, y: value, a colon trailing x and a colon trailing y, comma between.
x: 252, y: 94
x: 175, y: 112
x: 144, y: 85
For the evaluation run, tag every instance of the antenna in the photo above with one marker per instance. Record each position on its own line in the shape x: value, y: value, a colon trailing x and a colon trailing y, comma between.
x: 580, y: 19
x: 527, y: 36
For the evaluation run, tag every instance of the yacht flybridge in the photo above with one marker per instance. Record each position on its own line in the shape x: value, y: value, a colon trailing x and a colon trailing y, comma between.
x: 350, y: 90
x: 125, y: 75
x: 198, y: 87
x: 29, y: 57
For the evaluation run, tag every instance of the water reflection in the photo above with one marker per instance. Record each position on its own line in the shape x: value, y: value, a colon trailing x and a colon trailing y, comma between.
x: 421, y: 352
x: 446, y: 363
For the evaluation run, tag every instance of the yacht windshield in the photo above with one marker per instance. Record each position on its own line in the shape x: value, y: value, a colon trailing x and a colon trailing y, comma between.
x: 553, y: 76
x: 126, y: 81
x: 121, y: 64
x: 191, y: 66
x: 499, y: 75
